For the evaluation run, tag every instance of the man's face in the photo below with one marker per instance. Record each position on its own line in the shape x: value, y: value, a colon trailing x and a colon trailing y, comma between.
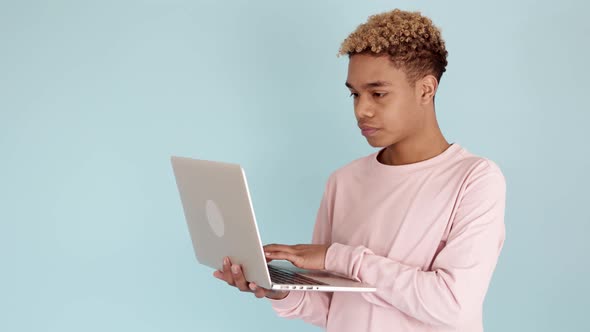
x: 386, y: 106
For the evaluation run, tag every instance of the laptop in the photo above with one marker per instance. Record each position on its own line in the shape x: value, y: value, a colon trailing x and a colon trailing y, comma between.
x: 221, y: 222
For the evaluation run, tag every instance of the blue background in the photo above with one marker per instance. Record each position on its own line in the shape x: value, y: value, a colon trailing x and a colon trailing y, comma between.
x: 96, y: 96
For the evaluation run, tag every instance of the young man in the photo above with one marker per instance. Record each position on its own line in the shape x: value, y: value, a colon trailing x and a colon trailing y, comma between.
x: 421, y: 219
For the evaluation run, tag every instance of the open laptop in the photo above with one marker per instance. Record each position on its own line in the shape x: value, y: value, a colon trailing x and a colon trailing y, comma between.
x: 221, y: 222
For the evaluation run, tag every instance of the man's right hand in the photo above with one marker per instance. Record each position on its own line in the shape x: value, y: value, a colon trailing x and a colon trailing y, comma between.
x: 232, y: 274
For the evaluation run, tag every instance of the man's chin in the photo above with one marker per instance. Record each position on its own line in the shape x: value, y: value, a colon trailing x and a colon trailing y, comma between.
x: 376, y: 143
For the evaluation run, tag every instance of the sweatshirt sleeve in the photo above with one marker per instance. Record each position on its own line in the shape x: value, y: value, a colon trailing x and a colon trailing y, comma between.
x: 454, y: 289
x: 312, y: 307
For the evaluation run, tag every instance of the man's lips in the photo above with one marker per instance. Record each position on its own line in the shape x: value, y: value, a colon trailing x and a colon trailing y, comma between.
x: 368, y: 130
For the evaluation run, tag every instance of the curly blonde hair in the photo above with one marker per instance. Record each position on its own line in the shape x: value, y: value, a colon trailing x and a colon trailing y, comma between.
x: 411, y: 40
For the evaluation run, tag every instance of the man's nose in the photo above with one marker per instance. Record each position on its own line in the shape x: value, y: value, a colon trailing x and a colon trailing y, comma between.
x: 363, y: 108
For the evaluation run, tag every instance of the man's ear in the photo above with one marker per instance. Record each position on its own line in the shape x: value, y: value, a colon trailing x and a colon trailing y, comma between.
x: 427, y: 87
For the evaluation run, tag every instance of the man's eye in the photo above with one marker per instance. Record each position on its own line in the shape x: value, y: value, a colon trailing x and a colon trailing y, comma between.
x: 354, y: 95
x: 379, y: 94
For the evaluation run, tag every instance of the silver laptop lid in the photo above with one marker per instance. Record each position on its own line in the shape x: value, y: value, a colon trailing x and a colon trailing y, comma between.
x: 218, y: 211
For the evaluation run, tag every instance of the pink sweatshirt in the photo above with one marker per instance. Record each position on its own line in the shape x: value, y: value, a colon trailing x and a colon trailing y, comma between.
x: 427, y: 235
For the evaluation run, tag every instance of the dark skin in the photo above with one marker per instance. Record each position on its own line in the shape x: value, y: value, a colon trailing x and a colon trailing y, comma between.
x: 391, y: 112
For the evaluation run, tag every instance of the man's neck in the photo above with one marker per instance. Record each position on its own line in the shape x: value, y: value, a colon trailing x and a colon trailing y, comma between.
x: 415, y: 149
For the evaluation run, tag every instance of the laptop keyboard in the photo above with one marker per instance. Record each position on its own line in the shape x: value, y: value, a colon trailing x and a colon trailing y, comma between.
x: 286, y: 277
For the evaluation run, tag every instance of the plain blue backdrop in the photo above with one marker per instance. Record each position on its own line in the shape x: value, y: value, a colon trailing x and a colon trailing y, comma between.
x: 96, y: 96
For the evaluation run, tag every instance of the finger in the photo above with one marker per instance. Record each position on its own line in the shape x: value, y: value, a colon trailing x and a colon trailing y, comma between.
x: 227, y: 275
x: 278, y: 247
x: 218, y: 274
x: 239, y: 279
x: 283, y: 255
x: 253, y: 287
x: 259, y: 292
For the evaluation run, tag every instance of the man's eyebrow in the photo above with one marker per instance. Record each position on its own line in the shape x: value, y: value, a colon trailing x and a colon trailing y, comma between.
x: 375, y: 84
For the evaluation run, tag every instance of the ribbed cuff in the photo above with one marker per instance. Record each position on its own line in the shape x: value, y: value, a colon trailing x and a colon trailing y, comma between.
x: 345, y: 260
x: 291, y: 301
